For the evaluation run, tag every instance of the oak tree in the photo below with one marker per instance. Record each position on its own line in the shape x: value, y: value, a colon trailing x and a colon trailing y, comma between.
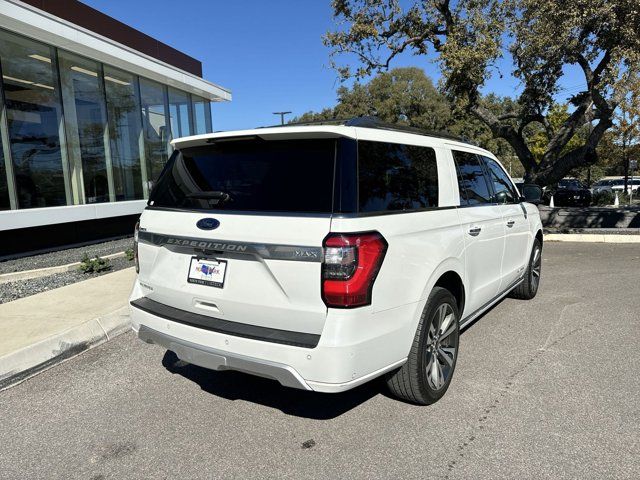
x: 541, y: 37
x: 406, y: 96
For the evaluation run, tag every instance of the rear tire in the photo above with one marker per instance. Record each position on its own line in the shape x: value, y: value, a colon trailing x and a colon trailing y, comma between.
x: 426, y: 375
x: 529, y: 286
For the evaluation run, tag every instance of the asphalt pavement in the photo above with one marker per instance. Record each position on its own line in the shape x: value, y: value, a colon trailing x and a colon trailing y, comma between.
x: 544, y: 388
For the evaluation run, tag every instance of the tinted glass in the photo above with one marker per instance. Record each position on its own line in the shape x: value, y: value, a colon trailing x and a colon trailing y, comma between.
x: 570, y: 184
x: 257, y: 175
x: 503, y: 189
x: 4, y: 191
x: 154, y: 126
x: 474, y: 189
x: 393, y: 176
x: 85, y: 119
x: 33, y: 115
x: 123, y: 110
x: 179, y: 113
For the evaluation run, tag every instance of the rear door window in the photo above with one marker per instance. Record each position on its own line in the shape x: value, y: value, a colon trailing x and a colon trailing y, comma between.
x: 396, y: 177
x: 472, y: 181
x: 250, y: 175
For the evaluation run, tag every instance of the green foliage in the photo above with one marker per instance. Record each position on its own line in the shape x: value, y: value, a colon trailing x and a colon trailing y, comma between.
x: 538, y: 138
x: 541, y: 38
x: 403, y: 96
x: 608, y: 199
x: 625, y: 199
x: 129, y: 253
x: 406, y: 96
x: 603, y: 199
x: 94, y: 265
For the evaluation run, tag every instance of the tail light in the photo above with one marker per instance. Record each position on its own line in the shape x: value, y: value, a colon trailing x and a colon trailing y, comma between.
x: 351, y: 264
x: 135, y: 246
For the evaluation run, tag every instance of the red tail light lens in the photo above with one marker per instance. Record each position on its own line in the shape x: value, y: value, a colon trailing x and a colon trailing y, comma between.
x: 351, y: 264
x: 135, y: 246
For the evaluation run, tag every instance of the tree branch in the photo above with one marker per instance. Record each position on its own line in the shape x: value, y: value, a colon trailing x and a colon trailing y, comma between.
x: 553, y: 172
x: 515, y: 139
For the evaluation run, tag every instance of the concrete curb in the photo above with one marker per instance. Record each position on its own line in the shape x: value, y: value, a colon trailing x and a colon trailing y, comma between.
x: 591, y: 238
x: 33, y: 359
x: 43, y: 272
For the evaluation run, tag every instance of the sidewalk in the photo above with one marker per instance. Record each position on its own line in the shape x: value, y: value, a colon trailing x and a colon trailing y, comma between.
x: 617, y: 237
x: 41, y: 330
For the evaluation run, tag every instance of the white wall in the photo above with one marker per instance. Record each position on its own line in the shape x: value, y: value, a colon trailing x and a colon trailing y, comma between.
x: 33, y: 217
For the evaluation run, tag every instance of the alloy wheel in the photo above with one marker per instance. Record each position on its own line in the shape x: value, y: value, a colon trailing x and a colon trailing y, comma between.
x: 536, y: 269
x: 442, y: 344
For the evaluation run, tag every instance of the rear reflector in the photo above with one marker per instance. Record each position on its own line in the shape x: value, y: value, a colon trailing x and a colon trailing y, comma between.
x: 351, y: 263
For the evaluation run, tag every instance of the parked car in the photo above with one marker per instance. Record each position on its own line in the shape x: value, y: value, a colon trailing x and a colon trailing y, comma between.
x: 568, y: 192
x: 529, y: 192
x: 323, y: 256
x: 602, y: 186
x: 632, y: 185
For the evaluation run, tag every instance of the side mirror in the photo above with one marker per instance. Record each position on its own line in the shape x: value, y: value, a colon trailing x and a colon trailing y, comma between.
x: 531, y: 193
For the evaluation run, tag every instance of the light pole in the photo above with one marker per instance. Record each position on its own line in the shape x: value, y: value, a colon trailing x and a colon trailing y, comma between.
x: 282, y: 114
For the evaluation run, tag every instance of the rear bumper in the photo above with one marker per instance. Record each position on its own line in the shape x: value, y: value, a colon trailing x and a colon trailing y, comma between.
x: 355, y: 347
x: 219, y: 325
x: 219, y: 360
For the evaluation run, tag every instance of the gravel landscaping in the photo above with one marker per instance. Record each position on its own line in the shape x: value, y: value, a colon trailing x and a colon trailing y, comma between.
x: 64, y: 257
x: 24, y: 288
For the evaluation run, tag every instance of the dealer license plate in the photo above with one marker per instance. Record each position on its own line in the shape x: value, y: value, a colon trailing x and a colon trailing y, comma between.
x: 205, y: 271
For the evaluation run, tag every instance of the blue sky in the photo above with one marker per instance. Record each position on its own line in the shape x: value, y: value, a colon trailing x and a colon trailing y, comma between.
x: 269, y: 53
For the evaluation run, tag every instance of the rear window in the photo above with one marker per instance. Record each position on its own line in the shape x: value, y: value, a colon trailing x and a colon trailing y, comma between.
x: 251, y: 175
x: 394, y: 176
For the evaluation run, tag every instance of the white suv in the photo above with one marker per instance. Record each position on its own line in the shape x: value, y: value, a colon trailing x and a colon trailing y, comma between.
x: 323, y: 256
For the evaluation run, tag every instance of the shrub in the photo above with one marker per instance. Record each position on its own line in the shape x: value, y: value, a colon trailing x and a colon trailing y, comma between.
x: 603, y: 199
x: 624, y: 198
x: 94, y: 265
x: 129, y: 254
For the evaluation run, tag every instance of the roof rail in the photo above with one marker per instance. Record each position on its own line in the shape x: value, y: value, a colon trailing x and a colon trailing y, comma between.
x: 375, y: 122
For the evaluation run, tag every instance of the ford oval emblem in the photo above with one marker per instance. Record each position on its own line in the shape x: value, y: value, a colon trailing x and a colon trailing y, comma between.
x: 208, y: 224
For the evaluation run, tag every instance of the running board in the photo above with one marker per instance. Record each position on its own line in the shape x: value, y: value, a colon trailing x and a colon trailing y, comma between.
x: 470, y: 318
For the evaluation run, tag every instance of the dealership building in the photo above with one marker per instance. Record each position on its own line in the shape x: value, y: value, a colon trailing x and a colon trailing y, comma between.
x: 88, y: 107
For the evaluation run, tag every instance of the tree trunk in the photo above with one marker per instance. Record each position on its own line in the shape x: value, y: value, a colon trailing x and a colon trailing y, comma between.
x: 553, y: 169
x: 625, y: 160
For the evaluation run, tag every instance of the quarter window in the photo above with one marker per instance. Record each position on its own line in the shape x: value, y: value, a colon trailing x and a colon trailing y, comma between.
x: 503, y: 189
x: 472, y: 181
x: 393, y: 176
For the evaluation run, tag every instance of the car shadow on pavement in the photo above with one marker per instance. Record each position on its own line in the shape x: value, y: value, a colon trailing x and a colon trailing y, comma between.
x: 233, y: 385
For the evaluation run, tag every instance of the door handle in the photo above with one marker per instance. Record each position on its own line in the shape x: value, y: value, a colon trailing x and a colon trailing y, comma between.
x: 475, y: 231
x: 511, y: 223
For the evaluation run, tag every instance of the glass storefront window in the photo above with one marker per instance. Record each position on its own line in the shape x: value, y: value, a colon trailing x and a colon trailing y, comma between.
x: 123, y: 110
x: 33, y: 112
x: 85, y: 120
x: 4, y: 190
x: 77, y: 131
x: 201, y: 115
x: 179, y: 113
x: 154, y: 126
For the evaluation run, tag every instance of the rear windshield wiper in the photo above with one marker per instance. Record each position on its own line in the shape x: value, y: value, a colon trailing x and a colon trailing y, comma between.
x: 222, y: 197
